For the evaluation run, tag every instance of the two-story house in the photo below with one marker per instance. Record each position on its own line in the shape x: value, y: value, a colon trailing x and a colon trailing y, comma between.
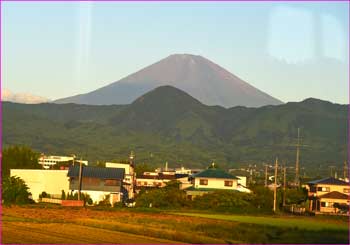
x: 213, y: 179
x: 97, y: 182
x: 160, y: 179
x: 328, y: 195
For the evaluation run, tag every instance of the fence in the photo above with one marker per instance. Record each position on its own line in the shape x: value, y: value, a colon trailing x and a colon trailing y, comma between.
x: 51, y: 200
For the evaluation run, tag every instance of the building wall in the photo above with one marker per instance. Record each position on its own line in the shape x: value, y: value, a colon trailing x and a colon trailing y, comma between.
x: 94, y: 184
x: 39, y: 180
x: 129, y: 176
x: 125, y: 166
x: 329, y: 202
x: 242, y: 180
x: 98, y: 196
x: 338, y: 188
x: 215, y: 183
x: 150, y: 182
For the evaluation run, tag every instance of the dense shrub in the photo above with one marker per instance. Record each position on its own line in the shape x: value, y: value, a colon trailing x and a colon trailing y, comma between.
x: 15, y: 191
x: 83, y: 196
x: 166, y: 197
x: 224, y: 200
x: 262, y: 198
x: 296, y: 195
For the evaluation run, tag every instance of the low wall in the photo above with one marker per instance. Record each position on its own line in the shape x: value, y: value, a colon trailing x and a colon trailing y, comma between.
x: 72, y: 203
x: 51, y: 200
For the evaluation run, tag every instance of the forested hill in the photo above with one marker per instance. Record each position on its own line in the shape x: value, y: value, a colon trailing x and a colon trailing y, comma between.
x: 167, y: 124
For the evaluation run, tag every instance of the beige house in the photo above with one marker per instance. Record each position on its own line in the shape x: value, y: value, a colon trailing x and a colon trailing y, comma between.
x: 328, y: 195
x: 214, y: 179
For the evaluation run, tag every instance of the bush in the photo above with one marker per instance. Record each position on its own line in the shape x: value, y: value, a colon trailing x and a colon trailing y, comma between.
x: 105, y: 202
x: 224, y: 200
x: 296, y: 196
x: 83, y: 196
x: 63, y: 195
x: 44, y: 195
x: 262, y: 198
x: 15, y: 191
x: 167, y: 197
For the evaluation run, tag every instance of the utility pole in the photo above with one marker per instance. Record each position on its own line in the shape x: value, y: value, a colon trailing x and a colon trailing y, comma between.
x: 80, y: 179
x: 266, y: 175
x: 297, y: 160
x: 284, y: 185
x: 275, y: 187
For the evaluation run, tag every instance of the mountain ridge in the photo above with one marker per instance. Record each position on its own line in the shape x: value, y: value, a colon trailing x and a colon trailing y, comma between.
x: 201, y: 78
x: 192, y: 133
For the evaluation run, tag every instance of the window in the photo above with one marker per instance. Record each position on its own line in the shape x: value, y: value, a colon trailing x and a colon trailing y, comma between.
x: 111, y: 182
x: 326, y: 204
x: 91, y: 181
x: 203, y: 182
x: 326, y: 189
x: 228, y: 183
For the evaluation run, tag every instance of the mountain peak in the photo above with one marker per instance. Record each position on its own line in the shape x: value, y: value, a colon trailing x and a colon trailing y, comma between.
x: 166, y: 95
x: 204, y: 80
x: 185, y: 56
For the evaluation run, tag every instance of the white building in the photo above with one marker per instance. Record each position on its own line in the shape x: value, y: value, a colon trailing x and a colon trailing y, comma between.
x: 49, y: 161
x: 40, y: 180
x: 129, y: 177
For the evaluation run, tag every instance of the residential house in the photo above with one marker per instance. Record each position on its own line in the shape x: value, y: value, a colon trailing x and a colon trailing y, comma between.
x: 98, y: 182
x: 159, y: 179
x: 328, y: 195
x: 213, y: 179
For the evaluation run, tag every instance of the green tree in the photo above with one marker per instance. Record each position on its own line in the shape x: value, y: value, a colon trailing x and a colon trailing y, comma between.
x: 263, y: 198
x: 15, y: 191
x: 141, y: 168
x: 296, y: 196
x: 18, y: 157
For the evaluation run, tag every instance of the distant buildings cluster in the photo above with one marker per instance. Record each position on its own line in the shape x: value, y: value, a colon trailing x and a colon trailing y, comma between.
x: 118, y: 182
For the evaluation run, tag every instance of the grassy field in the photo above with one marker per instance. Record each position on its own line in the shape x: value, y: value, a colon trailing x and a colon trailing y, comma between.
x: 298, y: 222
x: 55, y: 224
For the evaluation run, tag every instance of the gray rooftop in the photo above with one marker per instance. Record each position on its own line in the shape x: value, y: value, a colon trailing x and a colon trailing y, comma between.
x: 97, y: 172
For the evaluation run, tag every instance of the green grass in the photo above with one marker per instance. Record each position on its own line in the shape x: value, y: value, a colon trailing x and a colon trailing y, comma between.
x: 306, y: 223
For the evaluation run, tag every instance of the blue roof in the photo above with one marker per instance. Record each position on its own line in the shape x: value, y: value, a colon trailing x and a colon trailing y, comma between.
x: 97, y: 172
x: 328, y: 181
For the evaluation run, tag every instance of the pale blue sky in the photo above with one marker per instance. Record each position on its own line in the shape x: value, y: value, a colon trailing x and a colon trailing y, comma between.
x: 290, y: 50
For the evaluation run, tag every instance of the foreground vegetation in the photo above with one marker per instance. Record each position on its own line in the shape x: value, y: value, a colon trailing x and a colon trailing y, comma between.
x: 53, y: 224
